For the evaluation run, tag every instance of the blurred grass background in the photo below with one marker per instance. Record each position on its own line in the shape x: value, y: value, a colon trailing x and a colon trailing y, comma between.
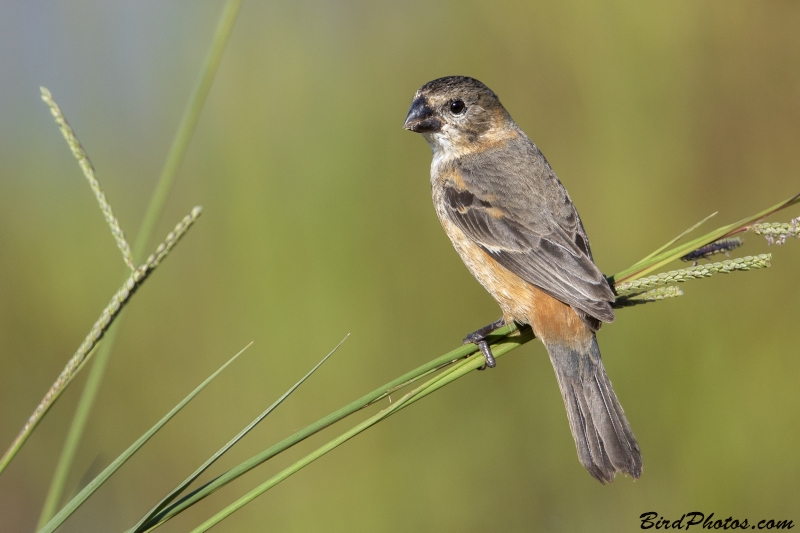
x: 318, y: 222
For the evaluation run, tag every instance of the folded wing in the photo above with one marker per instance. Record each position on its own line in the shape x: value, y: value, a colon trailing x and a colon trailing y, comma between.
x: 539, y: 250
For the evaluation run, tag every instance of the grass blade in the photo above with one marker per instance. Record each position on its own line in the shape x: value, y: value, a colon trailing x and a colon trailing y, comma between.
x: 84, y: 494
x: 188, y: 481
x: 457, y: 371
x: 676, y: 239
x: 365, y: 401
x: 191, y: 115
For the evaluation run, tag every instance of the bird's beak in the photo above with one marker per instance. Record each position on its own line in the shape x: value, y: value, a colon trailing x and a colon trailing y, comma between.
x: 421, y: 118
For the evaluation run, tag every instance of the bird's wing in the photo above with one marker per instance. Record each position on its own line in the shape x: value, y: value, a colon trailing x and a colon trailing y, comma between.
x: 550, y: 252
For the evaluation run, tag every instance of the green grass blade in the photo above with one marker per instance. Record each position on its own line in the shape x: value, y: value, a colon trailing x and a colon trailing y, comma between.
x: 79, y: 419
x: 676, y: 239
x: 365, y: 401
x: 188, y: 481
x: 87, y: 491
x: 645, y: 267
x: 191, y: 115
x: 143, y: 237
x: 450, y: 375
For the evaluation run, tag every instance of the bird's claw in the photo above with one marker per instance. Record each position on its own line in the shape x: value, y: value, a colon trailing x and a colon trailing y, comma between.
x: 487, y: 355
x: 479, y: 338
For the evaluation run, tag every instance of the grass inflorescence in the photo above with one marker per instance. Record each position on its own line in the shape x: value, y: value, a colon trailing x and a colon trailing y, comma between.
x: 652, y: 295
x: 696, y: 272
x: 88, y: 171
x: 777, y: 232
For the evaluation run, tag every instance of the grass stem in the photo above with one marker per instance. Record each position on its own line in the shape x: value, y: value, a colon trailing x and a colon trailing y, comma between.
x: 175, y: 156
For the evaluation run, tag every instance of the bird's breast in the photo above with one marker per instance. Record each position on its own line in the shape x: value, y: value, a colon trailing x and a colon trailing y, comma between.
x: 510, y: 291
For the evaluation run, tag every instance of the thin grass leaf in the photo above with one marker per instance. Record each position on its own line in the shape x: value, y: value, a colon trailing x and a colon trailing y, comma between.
x: 86, y: 349
x: 448, y: 376
x: 95, y: 484
x: 187, y: 125
x: 676, y: 239
x: 645, y: 267
x: 154, y: 209
x: 189, y: 480
x: 368, y: 399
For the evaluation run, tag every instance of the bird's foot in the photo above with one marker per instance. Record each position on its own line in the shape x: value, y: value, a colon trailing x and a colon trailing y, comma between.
x: 479, y: 337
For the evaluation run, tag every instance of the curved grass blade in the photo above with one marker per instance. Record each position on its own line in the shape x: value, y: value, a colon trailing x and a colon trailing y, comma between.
x: 84, y: 494
x: 365, y: 401
x: 188, y: 481
x: 459, y: 370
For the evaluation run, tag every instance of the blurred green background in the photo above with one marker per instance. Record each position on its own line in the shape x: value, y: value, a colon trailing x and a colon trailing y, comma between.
x: 318, y: 222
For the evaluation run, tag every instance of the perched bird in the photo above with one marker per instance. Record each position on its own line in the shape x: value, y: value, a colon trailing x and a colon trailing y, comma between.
x: 516, y: 229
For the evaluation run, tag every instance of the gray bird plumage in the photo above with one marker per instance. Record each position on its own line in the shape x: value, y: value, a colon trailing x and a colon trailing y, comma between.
x: 602, y: 434
x: 517, y: 230
x: 534, y: 230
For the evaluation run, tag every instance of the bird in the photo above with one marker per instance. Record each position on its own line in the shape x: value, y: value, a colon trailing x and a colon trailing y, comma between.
x: 519, y: 234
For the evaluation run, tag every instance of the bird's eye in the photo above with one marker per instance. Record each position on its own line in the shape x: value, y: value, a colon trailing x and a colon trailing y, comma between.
x: 457, y: 107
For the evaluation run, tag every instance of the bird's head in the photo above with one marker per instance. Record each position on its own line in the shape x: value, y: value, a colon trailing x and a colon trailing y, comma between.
x: 456, y: 112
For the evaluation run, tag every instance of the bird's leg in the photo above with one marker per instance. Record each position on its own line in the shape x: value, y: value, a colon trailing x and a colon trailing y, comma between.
x: 479, y: 338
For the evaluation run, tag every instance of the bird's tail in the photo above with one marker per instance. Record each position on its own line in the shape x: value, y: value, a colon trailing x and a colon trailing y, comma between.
x: 602, y: 434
